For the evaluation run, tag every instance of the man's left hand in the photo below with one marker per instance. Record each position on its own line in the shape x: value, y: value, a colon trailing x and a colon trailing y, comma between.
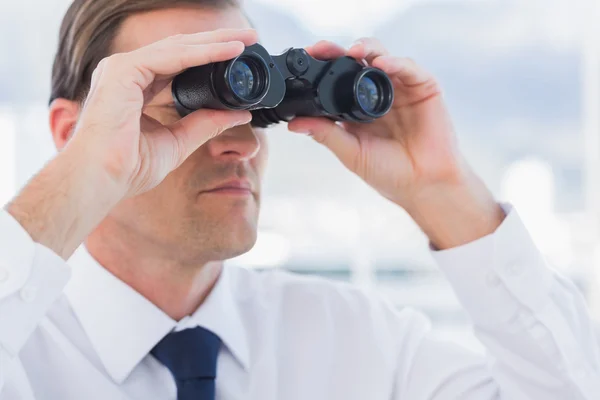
x: 410, y: 155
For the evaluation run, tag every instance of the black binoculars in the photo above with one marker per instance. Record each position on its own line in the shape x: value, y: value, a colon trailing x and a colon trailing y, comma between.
x: 281, y: 87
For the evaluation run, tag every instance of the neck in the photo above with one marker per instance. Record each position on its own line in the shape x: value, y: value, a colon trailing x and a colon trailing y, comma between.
x: 174, y: 286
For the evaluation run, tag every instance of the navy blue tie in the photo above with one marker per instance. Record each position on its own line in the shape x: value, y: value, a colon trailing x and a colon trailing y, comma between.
x: 191, y: 356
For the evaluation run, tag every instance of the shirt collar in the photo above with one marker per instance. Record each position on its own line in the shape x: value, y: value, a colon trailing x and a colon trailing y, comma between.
x: 123, y: 326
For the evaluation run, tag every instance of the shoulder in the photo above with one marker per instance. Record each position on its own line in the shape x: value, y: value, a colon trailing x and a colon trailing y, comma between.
x: 312, y: 318
x: 284, y: 286
x: 314, y: 298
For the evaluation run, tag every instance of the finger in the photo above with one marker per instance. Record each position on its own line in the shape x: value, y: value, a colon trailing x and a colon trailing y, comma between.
x: 174, y: 58
x: 326, y: 50
x: 343, y: 144
x: 367, y: 49
x: 96, y: 76
x: 197, y: 128
x: 141, y: 66
x: 403, y: 68
x: 246, y: 36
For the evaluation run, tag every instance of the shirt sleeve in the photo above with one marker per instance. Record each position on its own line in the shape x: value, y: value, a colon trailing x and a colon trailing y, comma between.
x: 534, y: 324
x: 32, y: 277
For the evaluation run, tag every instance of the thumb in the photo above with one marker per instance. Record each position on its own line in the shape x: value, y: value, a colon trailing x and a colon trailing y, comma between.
x: 343, y: 144
x: 199, y: 127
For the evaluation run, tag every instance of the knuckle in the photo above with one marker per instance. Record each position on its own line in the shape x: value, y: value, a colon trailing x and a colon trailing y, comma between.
x: 216, y: 125
x: 101, y: 66
x: 97, y: 71
x: 211, y: 53
x: 320, y: 137
x: 216, y: 35
x: 157, y: 49
x: 113, y: 62
x: 433, y: 87
x: 183, y: 54
x: 179, y: 150
x: 358, y: 161
x: 376, y: 41
x: 161, y: 50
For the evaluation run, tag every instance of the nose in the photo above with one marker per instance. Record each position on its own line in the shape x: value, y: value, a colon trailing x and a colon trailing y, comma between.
x: 239, y: 143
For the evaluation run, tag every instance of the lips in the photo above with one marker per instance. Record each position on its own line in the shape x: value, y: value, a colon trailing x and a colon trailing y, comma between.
x: 238, y: 186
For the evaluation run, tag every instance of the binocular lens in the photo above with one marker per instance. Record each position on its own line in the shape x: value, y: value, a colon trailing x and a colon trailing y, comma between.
x: 373, y: 93
x: 369, y: 94
x: 241, y: 79
x: 247, y: 79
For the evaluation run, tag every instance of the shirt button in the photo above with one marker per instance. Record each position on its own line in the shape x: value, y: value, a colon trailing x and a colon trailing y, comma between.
x: 4, y: 275
x: 515, y: 269
x: 28, y: 294
x: 492, y: 280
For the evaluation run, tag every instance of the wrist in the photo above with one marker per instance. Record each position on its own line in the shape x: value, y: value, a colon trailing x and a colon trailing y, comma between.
x: 64, y: 202
x: 87, y: 148
x: 455, y: 212
x: 88, y: 171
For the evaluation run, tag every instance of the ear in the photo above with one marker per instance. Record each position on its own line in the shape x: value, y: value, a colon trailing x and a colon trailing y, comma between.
x: 63, y: 117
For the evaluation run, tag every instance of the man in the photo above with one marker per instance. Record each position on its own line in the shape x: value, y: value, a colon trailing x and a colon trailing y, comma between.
x: 150, y: 312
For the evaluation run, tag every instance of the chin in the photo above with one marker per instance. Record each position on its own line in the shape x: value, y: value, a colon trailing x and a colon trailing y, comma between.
x: 240, y: 250
x: 234, y: 244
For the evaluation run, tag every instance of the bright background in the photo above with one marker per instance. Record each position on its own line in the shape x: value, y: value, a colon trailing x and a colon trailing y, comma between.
x: 522, y: 80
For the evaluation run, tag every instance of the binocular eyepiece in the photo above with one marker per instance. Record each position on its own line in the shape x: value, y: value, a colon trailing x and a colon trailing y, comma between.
x: 281, y: 87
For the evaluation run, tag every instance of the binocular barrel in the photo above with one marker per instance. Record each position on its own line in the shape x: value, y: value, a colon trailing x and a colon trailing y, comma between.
x: 279, y: 88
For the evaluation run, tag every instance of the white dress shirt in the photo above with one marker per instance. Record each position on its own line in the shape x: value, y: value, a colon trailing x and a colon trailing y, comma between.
x: 77, y: 332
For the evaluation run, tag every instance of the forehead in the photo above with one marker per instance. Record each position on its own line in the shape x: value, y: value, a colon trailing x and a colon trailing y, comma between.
x: 144, y: 28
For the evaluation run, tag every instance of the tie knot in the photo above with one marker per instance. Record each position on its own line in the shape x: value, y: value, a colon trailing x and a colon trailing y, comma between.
x: 191, y: 353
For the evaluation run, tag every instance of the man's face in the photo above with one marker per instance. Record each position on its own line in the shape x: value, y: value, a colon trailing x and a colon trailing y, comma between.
x: 183, y: 215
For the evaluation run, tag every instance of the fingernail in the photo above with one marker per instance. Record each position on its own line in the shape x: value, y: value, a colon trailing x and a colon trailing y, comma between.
x: 239, y: 123
x: 243, y: 121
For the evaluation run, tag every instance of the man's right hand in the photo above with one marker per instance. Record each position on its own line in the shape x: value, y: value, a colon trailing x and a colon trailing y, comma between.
x: 133, y: 148
x: 117, y: 151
